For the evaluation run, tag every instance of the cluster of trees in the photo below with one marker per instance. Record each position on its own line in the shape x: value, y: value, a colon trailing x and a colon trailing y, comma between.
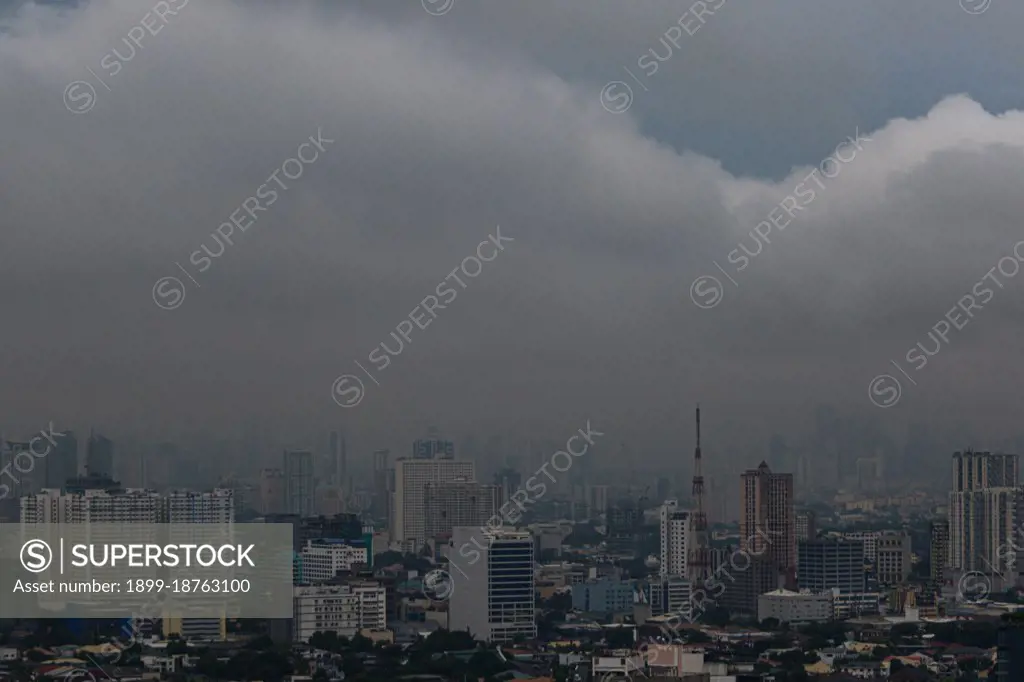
x: 366, y: 662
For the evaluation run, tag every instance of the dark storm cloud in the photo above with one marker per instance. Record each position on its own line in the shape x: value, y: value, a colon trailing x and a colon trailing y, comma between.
x: 446, y: 127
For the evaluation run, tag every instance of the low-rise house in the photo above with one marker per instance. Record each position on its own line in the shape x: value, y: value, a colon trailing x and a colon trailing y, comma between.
x: 864, y: 670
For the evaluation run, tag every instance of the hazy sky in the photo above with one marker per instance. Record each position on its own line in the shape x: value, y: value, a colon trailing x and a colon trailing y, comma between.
x: 488, y: 113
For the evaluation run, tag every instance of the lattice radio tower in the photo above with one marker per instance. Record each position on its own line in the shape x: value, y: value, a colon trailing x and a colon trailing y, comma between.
x: 700, y: 553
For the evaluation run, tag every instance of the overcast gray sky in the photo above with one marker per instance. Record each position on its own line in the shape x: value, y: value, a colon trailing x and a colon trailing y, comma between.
x: 448, y: 125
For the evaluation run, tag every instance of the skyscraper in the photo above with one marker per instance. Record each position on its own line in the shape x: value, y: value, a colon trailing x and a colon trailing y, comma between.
x: 23, y: 475
x: 271, y: 491
x: 62, y: 461
x: 99, y: 456
x: 408, y: 517
x: 493, y: 591
x: 982, y: 509
x: 623, y: 521
x: 597, y: 499
x: 768, y: 519
x: 676, y: 530
x: 980, y: 470
x: 939, y: 558
x: 299, y: 485
x: 337, y: 464
x: 381, y: 489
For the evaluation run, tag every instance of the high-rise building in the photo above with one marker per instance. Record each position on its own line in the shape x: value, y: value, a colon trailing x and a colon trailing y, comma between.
x: 433, y: 447
x: 622, y: 523
x: 408, y: 516
x: 62, y: 461
x: 939, y: 554
x: 768, y: 519
x: 23, y: 474
x: 271, y: 491
x: 299, y: 487
x: 980, y: 470
x: 493, y: 594
x: 664, y: 489
x: 99, y: 456
x: 982, y: 509
x: 381, y: 487
x: 459, y: 503
x: 759, y: 575
x: 827, y: 564
x: 337, y: 466
x: 597, y: 499
x: 893, y: 564
x: 676, y: 530
x: 806, y: 525
x: 509, y: 480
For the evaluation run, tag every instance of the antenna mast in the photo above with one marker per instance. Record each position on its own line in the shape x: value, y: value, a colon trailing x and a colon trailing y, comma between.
x: 700, y: 555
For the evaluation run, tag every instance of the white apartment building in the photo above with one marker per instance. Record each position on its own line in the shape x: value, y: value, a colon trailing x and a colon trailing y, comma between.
x: 408, y: 514
x: 344, y: 609
x: 185, y: 506
x: 494, y: 582
x: 130, y: 505
x: 321, y: 560
x: 676, y: 531
x: 796, y: 607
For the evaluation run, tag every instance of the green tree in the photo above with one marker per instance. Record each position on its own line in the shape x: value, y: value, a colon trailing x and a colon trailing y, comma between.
x: 177, y: 646
x: 361, y: 644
